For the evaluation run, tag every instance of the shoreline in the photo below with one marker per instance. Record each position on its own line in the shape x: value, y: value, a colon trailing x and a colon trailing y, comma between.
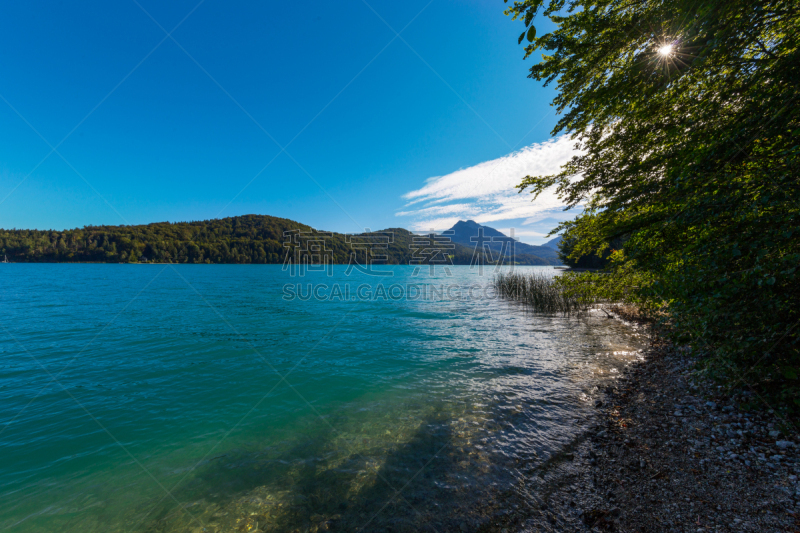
x: 670, y: 453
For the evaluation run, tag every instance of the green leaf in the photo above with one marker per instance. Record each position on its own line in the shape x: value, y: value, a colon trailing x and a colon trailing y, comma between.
x: 709, y: 225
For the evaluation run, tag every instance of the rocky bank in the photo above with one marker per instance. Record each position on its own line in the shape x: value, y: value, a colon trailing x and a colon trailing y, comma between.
x: 672, y: 453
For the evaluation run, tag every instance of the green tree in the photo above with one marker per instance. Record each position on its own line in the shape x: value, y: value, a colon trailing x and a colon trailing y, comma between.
x: 686, y: 116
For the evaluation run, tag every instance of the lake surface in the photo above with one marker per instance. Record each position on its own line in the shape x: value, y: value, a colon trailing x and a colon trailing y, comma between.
x: 207, y: 398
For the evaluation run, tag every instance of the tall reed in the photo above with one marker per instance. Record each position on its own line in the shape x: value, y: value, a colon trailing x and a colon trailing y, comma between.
x: 541, y: 292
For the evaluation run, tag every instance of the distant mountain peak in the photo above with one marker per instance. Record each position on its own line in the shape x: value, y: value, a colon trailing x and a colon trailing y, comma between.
x: 465, y: 224
x: 469, y: 233
x: 553, y: 243
x: 472, y: 227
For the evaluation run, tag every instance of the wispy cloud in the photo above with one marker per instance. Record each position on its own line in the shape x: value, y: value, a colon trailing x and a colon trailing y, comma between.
x: 486, y: 192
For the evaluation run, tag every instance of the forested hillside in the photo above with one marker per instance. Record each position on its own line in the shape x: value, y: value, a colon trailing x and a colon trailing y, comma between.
x: 244, y: 239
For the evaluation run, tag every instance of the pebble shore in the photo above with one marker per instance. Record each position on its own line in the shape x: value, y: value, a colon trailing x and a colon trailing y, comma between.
x: 671, y: 453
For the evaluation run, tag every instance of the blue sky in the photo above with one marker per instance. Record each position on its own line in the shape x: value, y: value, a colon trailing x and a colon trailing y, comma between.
x: 318, y: 112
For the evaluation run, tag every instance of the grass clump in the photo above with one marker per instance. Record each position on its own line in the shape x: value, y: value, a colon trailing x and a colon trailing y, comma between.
x: 542, y: 293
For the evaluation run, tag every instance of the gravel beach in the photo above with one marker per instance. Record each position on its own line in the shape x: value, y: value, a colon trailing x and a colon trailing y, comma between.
x: 669, y: 453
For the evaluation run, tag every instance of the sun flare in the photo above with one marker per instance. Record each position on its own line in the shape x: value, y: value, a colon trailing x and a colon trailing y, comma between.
x: 665, y: 50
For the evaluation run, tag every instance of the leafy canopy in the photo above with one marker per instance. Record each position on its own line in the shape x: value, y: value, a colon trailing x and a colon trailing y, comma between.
x: 686, y: 117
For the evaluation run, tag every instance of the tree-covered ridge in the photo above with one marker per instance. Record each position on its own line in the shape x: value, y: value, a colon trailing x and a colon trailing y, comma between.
x: 259, y: 239
x: 244, y: 239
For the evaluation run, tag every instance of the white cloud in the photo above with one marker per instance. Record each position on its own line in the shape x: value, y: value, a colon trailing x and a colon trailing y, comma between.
x: 486, y: 192
x: 436, y: 210
x: 522, y: 233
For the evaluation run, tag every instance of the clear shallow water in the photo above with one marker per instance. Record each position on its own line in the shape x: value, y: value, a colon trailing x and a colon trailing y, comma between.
x: 197, y: 398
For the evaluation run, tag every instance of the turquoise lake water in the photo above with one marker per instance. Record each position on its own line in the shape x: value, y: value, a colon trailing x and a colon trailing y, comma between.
x: 205, y: 398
